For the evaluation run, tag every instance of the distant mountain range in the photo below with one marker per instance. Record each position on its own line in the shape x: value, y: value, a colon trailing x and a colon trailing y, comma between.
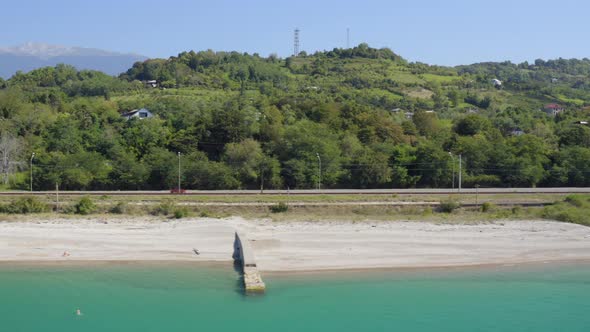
x: 31, y: 56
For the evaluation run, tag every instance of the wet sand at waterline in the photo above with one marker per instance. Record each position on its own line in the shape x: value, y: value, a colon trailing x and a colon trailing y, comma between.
x: 294, y: 245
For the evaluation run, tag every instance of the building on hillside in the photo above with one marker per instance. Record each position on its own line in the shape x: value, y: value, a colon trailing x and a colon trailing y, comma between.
x: 409, y: 115
x: 497, y: 83
x: 553, y: 109
x: 517, y: 132
x: 140, y: 114
x: 584, y: 123
x: 396, y: 110
x: 151, y: 83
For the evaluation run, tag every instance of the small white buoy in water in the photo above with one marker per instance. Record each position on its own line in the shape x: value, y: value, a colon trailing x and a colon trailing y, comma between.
x: 78, y: 312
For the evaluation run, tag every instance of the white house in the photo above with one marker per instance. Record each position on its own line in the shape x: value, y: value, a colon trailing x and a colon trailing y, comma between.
x: 140, y: 113
x: 151, y: 83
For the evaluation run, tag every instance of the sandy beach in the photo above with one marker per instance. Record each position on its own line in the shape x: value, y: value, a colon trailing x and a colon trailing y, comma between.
x: 294, y: 246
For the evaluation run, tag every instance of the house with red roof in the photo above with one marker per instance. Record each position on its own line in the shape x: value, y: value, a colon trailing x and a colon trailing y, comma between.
x: 553, y: 109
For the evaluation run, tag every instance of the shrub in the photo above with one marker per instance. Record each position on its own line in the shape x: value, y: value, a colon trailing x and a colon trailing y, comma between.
x: 25, y: 205
x: 181, y: 213
x: 516, y: 209
x: 487, y: 207
x: 574, y: 209
x: 566, y: 213
x: 85, y: 206
x: 119, y: 208
x: 279, y: 208
x: 449, y: 205
x: 165, y: 208
x: 576, y: 200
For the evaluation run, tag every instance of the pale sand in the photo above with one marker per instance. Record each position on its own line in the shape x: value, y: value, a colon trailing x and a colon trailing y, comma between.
x: 296, y: 246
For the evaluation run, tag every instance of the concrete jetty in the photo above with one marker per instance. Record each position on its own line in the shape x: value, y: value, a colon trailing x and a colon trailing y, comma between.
x: 243, y: 252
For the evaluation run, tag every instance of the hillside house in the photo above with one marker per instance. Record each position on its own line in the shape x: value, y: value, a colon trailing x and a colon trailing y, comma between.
x: 140, y: 113
x: 151, y: 83
x: 553, y: 109
x: 497, y: 83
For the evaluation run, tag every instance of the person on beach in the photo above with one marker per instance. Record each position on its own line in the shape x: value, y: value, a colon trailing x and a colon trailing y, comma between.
x: 65, y: 254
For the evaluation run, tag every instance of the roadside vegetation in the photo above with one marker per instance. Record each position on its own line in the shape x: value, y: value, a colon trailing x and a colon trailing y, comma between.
x: 574, y: 209
x: 369, y: 117
x: 452, y: 209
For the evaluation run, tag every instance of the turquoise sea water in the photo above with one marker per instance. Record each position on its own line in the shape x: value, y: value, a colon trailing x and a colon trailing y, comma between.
x: 165, y: 297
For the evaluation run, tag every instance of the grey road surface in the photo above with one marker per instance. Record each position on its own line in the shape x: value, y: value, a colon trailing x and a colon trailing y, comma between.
x: 424, y: 191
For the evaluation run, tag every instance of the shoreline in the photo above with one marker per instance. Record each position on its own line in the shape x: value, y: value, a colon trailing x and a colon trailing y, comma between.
x: 344, y: 273
x: 440, y: 268
x: 302, y: 247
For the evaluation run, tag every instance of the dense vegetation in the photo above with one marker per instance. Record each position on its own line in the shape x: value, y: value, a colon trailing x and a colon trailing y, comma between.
x: 242, y: 121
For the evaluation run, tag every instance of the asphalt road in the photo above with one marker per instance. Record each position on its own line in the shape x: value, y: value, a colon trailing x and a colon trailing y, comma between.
x: 424, y: 191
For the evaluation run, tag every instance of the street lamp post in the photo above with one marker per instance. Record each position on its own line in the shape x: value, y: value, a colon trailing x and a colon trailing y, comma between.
x: 31, y: 168
x: 319, y: 171
x: 460, y: 171
x: 261, y: 179
x: 179, y: 172
x: 453, y: 163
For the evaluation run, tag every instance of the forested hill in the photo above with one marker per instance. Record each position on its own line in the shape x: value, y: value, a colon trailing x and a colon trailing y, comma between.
x: 372, y: 118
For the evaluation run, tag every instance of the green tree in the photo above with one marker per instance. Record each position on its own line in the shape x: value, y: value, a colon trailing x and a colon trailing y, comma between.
x: 426, y: 123
x: 143, y: 135
x: 298, y: 151
x: 245, y: 159
x: 471, y: 124
x: 575, y: 135
x: 433, y: 165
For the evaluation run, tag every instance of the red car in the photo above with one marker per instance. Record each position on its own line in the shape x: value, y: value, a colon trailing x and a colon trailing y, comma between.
x: 177, y: 191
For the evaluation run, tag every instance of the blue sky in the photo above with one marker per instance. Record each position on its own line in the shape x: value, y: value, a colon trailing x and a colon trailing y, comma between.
x: 437, y: 32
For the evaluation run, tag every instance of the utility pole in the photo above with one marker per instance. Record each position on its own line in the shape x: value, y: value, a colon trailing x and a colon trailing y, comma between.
x: 31, y: 167
x: 319, y: 171
x: 347, y: 37
x: 179, y: 172
x: 460, y: 171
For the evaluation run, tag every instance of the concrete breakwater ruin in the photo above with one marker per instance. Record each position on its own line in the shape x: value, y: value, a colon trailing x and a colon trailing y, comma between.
x: 244, y: 254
